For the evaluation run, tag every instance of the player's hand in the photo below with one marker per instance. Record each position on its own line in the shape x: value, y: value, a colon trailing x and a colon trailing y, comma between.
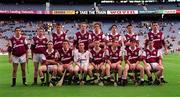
x: 166, y: 52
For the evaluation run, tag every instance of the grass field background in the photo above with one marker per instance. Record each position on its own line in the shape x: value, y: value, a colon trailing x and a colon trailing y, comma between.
x: 171, y: 89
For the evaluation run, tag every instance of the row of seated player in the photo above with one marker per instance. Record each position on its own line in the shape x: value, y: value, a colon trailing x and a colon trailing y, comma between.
x: 102, y: 67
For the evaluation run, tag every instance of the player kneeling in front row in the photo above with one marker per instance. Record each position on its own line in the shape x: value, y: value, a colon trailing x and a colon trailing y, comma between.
x: 66, y: 61
x: 114, y: 61
x: 152, y: 60
x: 49, y: 64
x: 132, y: 61
x: 97, y: 55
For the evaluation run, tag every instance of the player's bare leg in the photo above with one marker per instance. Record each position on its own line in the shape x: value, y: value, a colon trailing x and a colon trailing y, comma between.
x: 15, y: 66
x: 23, y: 69
x: 42, y: 69
x: 141, y: 69
x: 119, y: 69
x: 125, y: 73
x: 36, y: 65
x: 149, y: 74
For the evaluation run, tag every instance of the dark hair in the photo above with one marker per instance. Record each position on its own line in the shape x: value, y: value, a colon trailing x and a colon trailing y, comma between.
x: 128, y: 25
x: 133, y: 40
x: 58, y: 24
x: 114, y: 25
x: 154, y: 22
x: 49, y: 42
x: 17, y: 28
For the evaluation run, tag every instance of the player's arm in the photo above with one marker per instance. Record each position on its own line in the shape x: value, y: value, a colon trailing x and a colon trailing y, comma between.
x: 9, y: 49
x: 53, y: 62
x: 165, y: 46
x: 160, y: 57
x: 143, y: 58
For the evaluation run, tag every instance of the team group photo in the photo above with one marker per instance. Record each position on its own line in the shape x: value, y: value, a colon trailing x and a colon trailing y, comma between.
x: 89, y: 48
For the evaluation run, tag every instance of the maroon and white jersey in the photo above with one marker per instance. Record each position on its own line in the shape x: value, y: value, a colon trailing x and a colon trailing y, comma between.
x: 117, y: 37
x: 51, y: 55
x: 58, y: 39
x: 97, y: 56
x: 40, y: 45
x: 157, y: 38
x: 132, y: 55
x: 65, y: 57
x: 151, y: 56
x: 85, y: 38
x: 18, y: 46
x: 100, y: 36
x: 128, y: 37
x: 114, y: 56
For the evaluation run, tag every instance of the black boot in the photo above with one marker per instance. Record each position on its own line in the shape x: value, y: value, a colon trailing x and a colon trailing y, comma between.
x: 13, y: 82
x: 24, y: 81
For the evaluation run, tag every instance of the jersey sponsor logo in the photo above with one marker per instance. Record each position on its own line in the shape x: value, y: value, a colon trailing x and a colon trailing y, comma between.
x: 116, y: 54
x: 135, y: 53
x: 100, y: 55
x: 62, y: 37
x: 79, y: 36
x: 21, y: 41
x: 86, y: 36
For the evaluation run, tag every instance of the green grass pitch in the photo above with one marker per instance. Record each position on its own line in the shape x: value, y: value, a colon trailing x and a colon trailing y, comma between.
x: 171, y: 89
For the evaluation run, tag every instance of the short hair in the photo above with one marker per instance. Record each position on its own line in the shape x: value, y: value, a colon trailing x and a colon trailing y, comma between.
x: 97, y: 23
x: 154, y: 22
x: 40, y: 28
x: 65, y: 41
x: 128, y: 25
x: 133, y: 40
x: 17, y: 28
x: 150, y: 42
x: 59, y: 24
x: 114, y: 25
x: 50, y: 42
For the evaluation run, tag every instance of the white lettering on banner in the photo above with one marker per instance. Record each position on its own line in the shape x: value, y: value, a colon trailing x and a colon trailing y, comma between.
x: 122, y: 12
x: 101, y: 12
x: 83, y: 12
x: 92, y: 12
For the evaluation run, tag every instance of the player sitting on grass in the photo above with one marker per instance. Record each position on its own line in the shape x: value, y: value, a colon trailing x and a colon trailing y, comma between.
x: 97, y: 60
x: 152, y: 60
x: 114, y: 61
x: 49, y: 63
x: 132, y: 62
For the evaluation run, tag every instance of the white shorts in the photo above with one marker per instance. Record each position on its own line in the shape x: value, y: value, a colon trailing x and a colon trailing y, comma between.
x: 17, y: 60
x: 153, y: 65
x: 38, y: 57
x: 50, y: 67
x: 84, y: 66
